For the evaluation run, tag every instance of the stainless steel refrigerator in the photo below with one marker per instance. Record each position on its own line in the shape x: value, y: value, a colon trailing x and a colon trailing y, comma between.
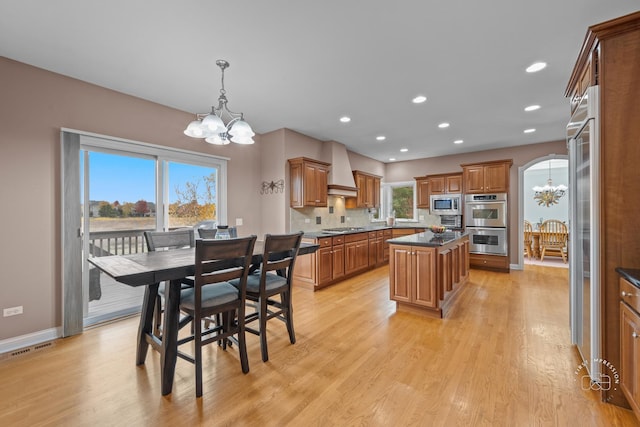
x: 584, y: 265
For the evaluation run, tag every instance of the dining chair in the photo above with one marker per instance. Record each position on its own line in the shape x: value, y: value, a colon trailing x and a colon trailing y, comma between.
x: 207, y: 233
x: 273, y: 279
x: 167, y: 240
x: 216, y: 263
x: 528, y: 238
x: 553, y: 239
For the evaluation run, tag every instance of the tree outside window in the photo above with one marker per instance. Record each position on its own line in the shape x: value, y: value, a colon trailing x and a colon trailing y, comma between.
x: 398, y: 198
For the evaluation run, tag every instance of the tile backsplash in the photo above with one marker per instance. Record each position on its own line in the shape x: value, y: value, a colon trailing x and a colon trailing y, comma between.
x: 336, y: 215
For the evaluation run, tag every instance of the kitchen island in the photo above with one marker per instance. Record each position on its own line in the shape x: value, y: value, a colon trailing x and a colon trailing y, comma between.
x: 427, y: 270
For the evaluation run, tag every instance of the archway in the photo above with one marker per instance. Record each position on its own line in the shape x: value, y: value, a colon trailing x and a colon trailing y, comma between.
x: 536, y: 172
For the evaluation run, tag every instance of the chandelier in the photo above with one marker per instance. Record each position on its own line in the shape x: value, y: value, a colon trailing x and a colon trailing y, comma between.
x: 211, y: 127
x: 549, y: 194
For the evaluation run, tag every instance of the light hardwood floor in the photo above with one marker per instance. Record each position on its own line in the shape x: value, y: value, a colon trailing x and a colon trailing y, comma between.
x: 502, y: 357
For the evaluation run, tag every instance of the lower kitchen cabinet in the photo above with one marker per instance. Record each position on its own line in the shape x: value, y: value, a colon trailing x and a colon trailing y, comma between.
x: 630, y: 344
x: 356, y: 250
x: 490, y: 262
x: 425, y: 279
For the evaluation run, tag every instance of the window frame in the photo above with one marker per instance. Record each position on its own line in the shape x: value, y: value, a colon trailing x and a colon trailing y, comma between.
x: 386, y: 200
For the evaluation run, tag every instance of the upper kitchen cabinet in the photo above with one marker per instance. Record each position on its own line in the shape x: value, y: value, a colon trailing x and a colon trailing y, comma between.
x: 488, y: 177
x: 368, y: 191
x: 422, y: 188
x: 436, y: 184
x: 308, y: 182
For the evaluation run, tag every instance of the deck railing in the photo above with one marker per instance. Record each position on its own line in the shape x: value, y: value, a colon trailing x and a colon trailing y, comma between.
x: 122, y: 242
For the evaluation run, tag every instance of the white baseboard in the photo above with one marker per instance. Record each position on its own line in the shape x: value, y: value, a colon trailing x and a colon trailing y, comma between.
x: 516, y: 267
x: 28, y: 340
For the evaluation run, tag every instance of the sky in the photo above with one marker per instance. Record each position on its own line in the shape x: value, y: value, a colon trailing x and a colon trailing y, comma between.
x: 129, y: 179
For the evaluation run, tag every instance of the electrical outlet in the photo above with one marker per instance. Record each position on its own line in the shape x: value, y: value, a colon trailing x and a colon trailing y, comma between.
x: 238, y: 221
x: 12, y: 311
x: 307, y: 221
x: 421, y: 217
x: 318, y: 220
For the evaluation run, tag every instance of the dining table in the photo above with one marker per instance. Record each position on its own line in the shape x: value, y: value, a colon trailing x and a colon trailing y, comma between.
x: 149, y: 269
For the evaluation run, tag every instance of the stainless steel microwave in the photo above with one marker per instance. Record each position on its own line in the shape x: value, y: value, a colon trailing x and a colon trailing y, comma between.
x: 445, y: 204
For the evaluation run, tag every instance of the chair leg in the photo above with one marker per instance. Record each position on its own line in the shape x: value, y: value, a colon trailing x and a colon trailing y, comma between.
x: 242, y: 345
x: 286, y: 302
x: 542, y: 254
x: 197, y: 342
x: 157, y: 316
x: 262, y: 319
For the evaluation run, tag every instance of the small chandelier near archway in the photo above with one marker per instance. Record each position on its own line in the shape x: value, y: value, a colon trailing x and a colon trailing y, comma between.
x: 211, y: 126
x: 549, y: 194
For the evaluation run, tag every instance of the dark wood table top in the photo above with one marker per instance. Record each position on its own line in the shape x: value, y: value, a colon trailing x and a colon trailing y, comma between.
x: 145, y: 268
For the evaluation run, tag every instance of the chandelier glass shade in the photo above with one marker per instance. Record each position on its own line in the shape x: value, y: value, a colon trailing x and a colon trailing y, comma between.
x: 549, y: 194
x: 211, y: 126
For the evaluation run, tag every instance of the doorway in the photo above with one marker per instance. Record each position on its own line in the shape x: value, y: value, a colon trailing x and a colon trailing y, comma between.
x: 535, y: 210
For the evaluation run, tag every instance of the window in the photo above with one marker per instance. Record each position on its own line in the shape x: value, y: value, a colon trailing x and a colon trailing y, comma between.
x: 398, y: 198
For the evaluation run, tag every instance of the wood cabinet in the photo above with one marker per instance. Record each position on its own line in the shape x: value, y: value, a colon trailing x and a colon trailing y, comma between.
x: 422, y: 188
x: 490, y: 262
x: 425, y: 279
x: 414, y: 275
x: 376, y: 248
x: 356, y: 249
x: 629, y: 368
x: 609, y: 59
x: 489, y: 177
x: 436, y: 184
x: 323, y: 267
x: 368, y: 191
x: 308, y: 182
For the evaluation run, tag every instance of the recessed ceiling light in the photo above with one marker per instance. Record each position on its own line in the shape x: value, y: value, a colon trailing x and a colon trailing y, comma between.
x: 458, y: 141
x: 531, y: 108
x: 443, y: 125
x: 536, y: 66
x: 404, y: 150
x: 381, y: 137
x: 392, y: 159
x: 345, y: 119
x: 529, y: 130
x: 419, y: 99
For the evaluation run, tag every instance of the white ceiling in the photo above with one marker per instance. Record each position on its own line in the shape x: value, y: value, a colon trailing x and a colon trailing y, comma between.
x: 302, y: 65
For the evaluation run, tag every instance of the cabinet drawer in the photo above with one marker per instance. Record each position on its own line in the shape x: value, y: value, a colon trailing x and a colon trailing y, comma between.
x: 338, y: 240
x: 324, y: 241
x: 355, y: 237
x: 489, y: 261
x: 630, y: 294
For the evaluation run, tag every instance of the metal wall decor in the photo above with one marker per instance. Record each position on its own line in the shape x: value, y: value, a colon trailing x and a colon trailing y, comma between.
x: 272, y: 187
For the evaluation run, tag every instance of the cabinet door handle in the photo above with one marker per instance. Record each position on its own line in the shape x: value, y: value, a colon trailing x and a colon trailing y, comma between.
x: 627, y: 294
x: 634, y: 334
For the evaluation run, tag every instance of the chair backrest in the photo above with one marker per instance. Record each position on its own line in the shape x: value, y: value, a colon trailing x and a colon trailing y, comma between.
x: 528, y: 229
x: 553, y: 232
x: 175, y: 239
x: 221, y: 261
x: 280, y: 252
x: 207, y: 233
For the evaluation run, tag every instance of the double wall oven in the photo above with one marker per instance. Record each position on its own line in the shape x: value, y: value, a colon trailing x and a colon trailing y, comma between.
x: 486, y: 221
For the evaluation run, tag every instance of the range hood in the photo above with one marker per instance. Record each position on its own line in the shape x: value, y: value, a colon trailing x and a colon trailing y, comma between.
x: 340, y: 180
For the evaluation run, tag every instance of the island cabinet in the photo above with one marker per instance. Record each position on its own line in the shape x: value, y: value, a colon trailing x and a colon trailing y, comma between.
x: 308, y: 182
x: 426, y: 271
x: 368, y: 186
x: 489, y: 177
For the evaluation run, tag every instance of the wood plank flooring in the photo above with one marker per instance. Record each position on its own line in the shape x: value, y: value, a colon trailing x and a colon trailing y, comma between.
x: 502, y: 357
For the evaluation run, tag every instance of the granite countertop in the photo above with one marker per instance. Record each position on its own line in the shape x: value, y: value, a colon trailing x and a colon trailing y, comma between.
x: 631, y: 274
x: 320, y: 233
x: 428, y: 239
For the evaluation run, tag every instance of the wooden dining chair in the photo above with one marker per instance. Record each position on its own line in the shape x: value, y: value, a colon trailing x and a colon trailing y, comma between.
x: 528, y: 239
x: 273, y: 281
x: 217, y: 262
x: 167, y: 240
x: 553, y: 239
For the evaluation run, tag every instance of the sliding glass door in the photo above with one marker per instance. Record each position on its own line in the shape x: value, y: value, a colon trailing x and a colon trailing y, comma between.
x: 113, y: 190
x: 119, y: 204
